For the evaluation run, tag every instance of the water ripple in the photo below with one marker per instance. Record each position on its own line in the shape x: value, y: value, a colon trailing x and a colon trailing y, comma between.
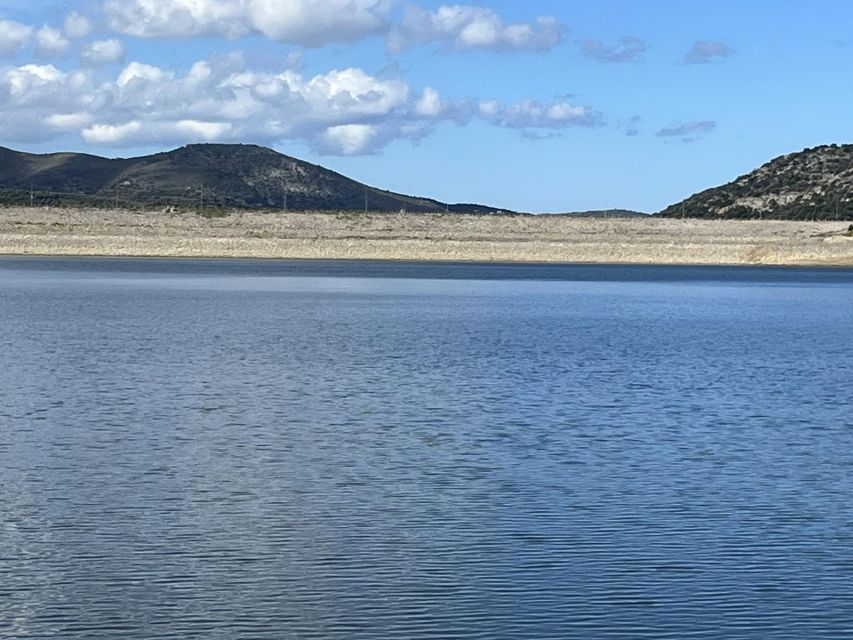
x: 633, y: 458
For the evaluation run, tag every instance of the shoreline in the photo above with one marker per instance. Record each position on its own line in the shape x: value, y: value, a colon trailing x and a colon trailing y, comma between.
x: 423, y: 238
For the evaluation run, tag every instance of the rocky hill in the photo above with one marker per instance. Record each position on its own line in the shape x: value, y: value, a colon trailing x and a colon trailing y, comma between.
x: 199, y: 175
x: 814, y: 184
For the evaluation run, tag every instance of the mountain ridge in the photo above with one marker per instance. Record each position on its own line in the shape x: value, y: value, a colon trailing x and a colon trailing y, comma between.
x: 239, y: 176
x: 812, y: 184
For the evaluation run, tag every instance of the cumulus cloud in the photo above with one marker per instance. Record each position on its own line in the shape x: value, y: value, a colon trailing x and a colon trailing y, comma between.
x: 50, y: 42
x: 13, y: 36
x: 431, y: 105
x: 76, y: 26
x: 141, y: 74
x: 37, y: 101
x: 69, y: 121
x: 310, y: 23
x: 627, y: 49
x: 466, y: 27
x: 139, y: 132
x: 706, y: 51
x: 313, y: 23
x: 688, y: 130
x: 348, y: 139
x: 102, y: 52
x: 344, y: 111
x: 176, y: 18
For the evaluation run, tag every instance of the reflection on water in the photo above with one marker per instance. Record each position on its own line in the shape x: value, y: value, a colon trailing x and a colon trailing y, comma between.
x: 200, y: 449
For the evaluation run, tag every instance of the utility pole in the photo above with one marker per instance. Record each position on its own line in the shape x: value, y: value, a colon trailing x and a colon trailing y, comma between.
x: 365, y: 200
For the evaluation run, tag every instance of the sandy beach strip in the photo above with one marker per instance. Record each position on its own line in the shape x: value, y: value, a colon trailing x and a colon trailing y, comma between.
x: 451, y: 237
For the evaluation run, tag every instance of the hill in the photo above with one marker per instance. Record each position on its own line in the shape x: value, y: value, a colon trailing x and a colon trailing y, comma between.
x: 219, y: 175
x: 814, y: 184
x: 603, y: 213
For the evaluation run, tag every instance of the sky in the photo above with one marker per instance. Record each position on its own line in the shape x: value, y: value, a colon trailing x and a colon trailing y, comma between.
x: 539, y: 106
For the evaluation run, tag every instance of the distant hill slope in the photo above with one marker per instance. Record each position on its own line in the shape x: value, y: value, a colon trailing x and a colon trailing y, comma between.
x: 222, y: 175
x: 604, y: 213
x: 814, y: 184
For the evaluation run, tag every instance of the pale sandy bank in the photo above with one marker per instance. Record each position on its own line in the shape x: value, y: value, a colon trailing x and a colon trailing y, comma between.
x: 36, y: 231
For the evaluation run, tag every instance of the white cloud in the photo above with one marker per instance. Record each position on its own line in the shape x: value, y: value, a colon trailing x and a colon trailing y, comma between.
x: 429, y: 104
x: 69, y: 121
x: 336, y: 96
x: 348, y: 139
x: 77, y: 26
x: 102, y: 52
x: 343, y: 111
x: 141, y: 72
x: 13, y: 36
x: 309, y: 23
x: 36, y: 100
x: 51, y: 42
x: 466, y: 27
x: 139, y: 132
x: 313, y: 23
x: 203, y: 130
x: 23, y: 79
x: 166, y: 18
x: 108, y: 134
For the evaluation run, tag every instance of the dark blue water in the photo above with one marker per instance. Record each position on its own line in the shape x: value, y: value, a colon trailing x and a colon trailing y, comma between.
x: 209, y: 449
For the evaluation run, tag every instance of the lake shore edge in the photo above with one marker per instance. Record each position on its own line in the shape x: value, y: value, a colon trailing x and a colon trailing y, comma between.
x: 26, y: 231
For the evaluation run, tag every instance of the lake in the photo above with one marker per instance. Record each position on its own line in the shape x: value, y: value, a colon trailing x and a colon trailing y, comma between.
x: 273, y: 449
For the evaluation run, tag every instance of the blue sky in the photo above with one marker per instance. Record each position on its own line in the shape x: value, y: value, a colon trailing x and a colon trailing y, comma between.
x: 554, y: 105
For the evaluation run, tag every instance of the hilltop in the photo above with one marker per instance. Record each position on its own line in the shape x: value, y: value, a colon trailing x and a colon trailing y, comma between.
x: 813, y: 184
x: 604, y: 213
x: 234, y: 176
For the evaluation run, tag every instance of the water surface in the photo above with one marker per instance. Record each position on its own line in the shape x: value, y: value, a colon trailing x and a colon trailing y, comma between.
x: 265, y: 449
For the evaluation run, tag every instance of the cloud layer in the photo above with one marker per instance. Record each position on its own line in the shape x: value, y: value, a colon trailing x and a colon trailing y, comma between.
x: 310, y: 23
x: 341, y: 111
x: 13, y: 37
x: 345, y: 111
x: 314, y: 23
x: 465, y: 27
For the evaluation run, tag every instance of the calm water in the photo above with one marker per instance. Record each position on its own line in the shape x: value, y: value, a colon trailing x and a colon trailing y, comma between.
x: 206, y: 449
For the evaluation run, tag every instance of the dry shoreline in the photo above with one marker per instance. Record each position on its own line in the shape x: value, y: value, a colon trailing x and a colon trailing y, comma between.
x: 423, y: 237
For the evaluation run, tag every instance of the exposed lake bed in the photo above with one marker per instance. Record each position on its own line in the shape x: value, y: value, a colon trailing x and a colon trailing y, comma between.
x: 424, y: 237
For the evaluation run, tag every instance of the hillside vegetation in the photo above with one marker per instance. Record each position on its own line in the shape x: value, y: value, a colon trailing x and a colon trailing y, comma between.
x: 197, y: 176
x: 814, y: 184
